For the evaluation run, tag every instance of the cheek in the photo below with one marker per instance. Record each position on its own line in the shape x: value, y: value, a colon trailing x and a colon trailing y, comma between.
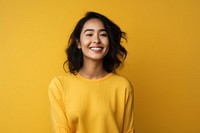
x: 84, y: 41
x: 106, y: 42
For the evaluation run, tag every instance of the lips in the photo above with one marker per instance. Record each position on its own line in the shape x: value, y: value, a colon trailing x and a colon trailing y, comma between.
x: 96, y: 48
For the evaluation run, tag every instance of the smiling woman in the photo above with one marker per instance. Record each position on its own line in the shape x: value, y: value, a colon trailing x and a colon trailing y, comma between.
x: 116, y: 53
x: 84, y: 100
x: 94, y: 41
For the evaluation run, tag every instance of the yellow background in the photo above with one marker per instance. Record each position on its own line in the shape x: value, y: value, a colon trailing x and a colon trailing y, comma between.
x: 163, y: 62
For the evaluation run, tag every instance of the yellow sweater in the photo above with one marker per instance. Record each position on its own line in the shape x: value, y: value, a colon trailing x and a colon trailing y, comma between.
x: 81, y: 105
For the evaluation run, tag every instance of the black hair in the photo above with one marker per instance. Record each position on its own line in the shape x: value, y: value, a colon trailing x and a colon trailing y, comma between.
x: 116, y: 54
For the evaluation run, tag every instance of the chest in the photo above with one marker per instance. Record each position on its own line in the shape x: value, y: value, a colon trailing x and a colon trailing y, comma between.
x: 92, y: 103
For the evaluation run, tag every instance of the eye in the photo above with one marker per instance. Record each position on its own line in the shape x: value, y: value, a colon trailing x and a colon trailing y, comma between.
x: 89, y: 34
x: 104, y: 34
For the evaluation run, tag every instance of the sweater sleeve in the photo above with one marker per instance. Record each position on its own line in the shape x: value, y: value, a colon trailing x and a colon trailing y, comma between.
x: 129, y: 111
x: 57, y: 108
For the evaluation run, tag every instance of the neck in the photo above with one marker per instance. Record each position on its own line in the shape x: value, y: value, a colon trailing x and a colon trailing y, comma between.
x: 93, y: 70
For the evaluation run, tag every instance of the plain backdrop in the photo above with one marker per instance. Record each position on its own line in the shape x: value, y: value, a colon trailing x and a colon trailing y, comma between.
x: 163, y: 61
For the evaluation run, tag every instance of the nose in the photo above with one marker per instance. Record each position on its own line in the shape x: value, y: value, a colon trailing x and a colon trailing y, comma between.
x: 96, y: 39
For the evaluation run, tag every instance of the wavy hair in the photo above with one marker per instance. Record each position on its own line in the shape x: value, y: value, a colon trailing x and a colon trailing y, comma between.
x: 116, y: 54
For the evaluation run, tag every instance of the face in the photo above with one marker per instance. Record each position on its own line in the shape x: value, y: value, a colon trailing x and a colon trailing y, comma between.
x: 94, y: 41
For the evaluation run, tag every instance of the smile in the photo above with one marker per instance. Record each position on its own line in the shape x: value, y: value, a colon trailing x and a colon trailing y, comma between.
x: 96, y: 48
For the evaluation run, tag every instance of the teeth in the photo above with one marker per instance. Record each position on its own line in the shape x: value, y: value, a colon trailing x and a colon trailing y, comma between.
x: 96, y: 48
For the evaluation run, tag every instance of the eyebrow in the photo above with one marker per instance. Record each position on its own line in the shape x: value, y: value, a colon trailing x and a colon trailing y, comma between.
x: 93, y: 30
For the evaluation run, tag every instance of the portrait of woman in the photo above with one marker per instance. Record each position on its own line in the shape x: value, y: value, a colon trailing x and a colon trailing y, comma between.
x: 92, y: 97
x: 102, y: 66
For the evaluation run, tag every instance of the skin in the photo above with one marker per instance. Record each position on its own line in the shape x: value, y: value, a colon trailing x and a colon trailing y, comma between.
x: 94, y: 44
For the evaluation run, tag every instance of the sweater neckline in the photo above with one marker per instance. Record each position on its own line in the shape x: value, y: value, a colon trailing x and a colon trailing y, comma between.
x: 94, y: 80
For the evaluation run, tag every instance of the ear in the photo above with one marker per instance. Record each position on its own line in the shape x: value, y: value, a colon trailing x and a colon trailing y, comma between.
x: 78, y: 44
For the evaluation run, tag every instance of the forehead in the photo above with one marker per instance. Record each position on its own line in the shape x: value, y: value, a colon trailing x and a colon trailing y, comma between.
x: 94, y: 23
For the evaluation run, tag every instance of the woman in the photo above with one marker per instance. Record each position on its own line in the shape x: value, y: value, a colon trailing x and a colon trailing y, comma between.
x: 91, y: 97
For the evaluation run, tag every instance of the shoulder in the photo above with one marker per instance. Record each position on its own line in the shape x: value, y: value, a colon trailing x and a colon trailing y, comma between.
x: 59, y: 81
x: 62, y: 78
x: 122, y: 81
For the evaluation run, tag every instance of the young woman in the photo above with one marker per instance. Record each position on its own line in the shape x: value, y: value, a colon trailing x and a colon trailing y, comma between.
x: 91, y: 97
